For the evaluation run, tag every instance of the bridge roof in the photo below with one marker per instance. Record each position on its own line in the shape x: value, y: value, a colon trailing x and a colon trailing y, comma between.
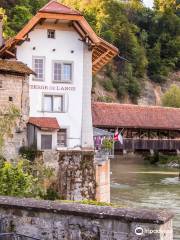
x: 135, y: 116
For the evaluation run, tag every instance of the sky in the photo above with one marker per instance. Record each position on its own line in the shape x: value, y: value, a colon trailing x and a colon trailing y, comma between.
x: 148, y: 3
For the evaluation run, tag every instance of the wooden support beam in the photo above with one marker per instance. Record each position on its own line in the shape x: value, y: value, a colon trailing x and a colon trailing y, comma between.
x: 101, y: 57
x: 42, y: 21
x: 79, y: 29
x: 10, y: 53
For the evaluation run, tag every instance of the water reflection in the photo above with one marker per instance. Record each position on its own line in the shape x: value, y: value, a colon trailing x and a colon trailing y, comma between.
x: 139, y: 185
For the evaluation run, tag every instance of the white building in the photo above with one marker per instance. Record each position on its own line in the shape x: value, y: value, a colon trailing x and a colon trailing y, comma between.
x: 64, y: 51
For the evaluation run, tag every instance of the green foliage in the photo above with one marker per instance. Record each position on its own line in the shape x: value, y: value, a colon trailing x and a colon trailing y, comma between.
x: 91, y: 202
x: 21, y: 15
x: 172, y: 97
x: 24, y: 179
x: 96, y: 203
x: 106, y: 99
x: 8, y: 119
x: 165, y: 5
x: 159, y: 158
x: 14, y: 181
x: 51, y: 194
x: 153, y: 159
x: 28, y: 153
x: 107, y: 144
x: 108, y: 85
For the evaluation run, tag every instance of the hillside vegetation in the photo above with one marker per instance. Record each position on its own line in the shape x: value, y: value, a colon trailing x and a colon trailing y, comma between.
x: 148, y: 39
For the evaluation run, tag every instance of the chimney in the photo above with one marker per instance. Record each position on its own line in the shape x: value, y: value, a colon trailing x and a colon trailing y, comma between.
x: 1, y: 30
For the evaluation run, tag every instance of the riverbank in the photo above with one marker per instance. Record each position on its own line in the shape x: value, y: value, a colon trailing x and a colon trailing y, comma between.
x: 162, y: 160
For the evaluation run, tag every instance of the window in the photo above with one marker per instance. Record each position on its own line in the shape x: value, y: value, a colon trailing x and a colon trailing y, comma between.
x: 67, y: 72
x: 38, y: 67
x: 53, y: 103
x: 46, y: 142
x: 57, y: 71
x: 51, y: 33
x: 48, y: 103
x: 62, y: 138
x: 62, y: 72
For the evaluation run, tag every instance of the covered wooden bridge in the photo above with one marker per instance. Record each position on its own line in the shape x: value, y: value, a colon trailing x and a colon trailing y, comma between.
x: 144, y: 128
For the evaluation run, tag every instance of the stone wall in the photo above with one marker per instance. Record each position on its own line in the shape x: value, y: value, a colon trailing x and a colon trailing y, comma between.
x: 76, y: 175
x: 47, y: 220
x: 15, y: 90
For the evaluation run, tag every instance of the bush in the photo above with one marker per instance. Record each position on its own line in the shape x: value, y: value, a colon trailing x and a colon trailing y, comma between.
x: 106, y: 99
x: 108, y: 86
x: 51, y: 194
x: 152, y: 159
x: 28, y: 153
x: 107, y: 144
x: 25, y: 179
x: 15, y: 181
x: 172, y: 97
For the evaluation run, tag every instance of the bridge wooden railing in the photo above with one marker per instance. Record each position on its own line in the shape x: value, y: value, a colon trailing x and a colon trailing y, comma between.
x: 147, y: 144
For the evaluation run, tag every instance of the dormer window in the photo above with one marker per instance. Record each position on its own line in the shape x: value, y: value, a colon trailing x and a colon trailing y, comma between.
x: 51, y: 33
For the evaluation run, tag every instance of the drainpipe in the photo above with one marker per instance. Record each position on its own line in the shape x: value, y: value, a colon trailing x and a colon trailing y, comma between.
x: 1, y: 30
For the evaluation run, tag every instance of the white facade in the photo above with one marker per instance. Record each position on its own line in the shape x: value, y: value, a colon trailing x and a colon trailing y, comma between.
x: 66, y: 47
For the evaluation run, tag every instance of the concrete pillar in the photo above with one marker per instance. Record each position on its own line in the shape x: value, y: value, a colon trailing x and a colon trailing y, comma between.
x: 1, y: 30
x: 87, y: 127
x: 103, y: 181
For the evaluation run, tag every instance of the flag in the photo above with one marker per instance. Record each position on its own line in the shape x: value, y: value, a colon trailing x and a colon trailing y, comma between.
x: 118, y: 137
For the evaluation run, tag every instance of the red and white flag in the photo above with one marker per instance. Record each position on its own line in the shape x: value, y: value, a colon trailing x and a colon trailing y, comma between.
x: 118, y: 137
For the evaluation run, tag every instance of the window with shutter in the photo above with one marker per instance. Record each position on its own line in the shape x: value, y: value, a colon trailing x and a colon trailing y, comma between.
x: 62, y: 138
x: 46, y: 142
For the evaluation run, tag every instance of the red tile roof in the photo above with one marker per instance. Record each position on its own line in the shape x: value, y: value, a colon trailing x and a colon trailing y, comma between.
x: 56, y: 7
x: 134, y: 116
x: 44, y: 122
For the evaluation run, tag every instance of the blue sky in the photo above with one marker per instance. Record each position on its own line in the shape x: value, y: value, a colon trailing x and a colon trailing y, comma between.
x: 148, y: 3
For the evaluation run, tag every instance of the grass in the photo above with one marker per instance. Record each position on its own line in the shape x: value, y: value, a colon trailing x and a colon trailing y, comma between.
x: 94, y: 203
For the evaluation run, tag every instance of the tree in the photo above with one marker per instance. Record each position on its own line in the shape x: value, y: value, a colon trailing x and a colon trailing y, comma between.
x: 21, y: 15
x: 172, y: 97
x: 164, y: 5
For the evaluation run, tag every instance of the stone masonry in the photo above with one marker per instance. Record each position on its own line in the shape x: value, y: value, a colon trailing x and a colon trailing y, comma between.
x: 14, y: 90
x: 46, y: 220
x: 76, y: 175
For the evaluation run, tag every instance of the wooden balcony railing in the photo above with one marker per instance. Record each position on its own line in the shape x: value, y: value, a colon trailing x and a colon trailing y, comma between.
x: 147, y: 144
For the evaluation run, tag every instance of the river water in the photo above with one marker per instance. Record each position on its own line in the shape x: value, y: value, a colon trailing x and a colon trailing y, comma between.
x: 138, y: 185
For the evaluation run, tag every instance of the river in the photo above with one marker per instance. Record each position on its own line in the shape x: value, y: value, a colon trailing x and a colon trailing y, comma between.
x: 138, y: 185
